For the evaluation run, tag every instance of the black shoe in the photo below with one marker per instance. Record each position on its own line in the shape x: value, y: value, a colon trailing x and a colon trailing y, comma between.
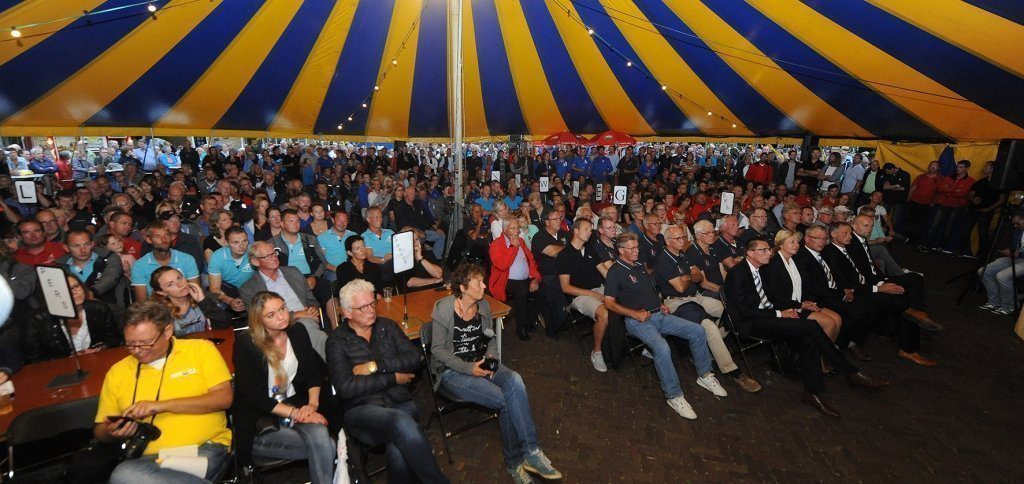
x: 534, y: 326
x: 523, y: 333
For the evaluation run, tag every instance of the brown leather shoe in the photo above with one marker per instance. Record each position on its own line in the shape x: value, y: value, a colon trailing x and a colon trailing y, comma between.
x: 858, y: 354
x: 866, y: 382
x: 917, y: 358
x: 747, y: 383
x: 922, y: 319
x: 819, y: 405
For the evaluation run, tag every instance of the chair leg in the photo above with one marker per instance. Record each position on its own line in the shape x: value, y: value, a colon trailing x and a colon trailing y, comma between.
x: 636, y: 368
x: 743, y: 353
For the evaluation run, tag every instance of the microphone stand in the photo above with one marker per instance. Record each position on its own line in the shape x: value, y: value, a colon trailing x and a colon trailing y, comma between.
x: 79, y: 374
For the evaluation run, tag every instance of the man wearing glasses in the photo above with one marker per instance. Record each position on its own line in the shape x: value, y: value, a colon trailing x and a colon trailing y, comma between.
x: 631, y: 292
x: 651, y: 240
x: 753, y: 315
x: 371, y: 362
x: 289, y: 283
x: 182, y: 387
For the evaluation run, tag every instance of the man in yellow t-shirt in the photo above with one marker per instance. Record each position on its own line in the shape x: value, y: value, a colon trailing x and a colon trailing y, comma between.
x: 183, y: 387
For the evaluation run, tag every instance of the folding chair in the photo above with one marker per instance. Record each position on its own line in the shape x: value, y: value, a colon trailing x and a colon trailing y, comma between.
x: 635, y: 348
x: 746, y: 343
x: 451, y: 402
x: 48, y: 422
x: 573, y: 320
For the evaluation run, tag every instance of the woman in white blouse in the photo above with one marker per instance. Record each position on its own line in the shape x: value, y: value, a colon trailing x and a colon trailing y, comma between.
x: 783, y: 285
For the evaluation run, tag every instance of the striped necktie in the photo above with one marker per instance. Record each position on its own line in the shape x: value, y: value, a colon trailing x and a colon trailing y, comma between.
x: 871, y: 261
x: 828, y: 272
x: 765, y: 304
x: 860, y: 277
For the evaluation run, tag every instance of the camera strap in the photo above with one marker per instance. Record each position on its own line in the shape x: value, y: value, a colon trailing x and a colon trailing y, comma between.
x: 160, y: 385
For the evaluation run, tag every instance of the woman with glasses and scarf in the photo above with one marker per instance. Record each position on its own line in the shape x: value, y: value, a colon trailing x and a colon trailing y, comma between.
x: 189, y: 306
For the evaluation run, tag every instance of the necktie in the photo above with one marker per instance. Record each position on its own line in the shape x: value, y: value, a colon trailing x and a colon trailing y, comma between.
x: 860, y: 277
x: 871, y: 262
x: 760, y: 291
x: 828, y: 272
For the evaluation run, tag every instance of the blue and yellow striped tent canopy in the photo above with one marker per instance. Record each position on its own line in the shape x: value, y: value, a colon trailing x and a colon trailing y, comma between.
x: 926, y: 70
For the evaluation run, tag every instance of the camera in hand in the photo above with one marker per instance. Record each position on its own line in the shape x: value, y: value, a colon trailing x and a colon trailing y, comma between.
x: 136, y: 445
x: 490, y: 364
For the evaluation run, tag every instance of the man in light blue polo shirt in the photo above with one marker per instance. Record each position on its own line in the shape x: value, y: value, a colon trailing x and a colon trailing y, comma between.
x: 377, y: 239
x: 230, y: 268
x: 159, y: 238
x: 485, y: 201
x: 333, y: 243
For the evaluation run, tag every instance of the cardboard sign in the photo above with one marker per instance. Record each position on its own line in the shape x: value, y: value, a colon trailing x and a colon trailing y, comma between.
x: 56, y: 292
x: 619, y: 195
x: 576, y: 188
x: 402, y: 251
x: 728, y: 198
x: 544, y: 184
x: 496, y: 176
x: 519, y: 179
x: 26, y: 191
x: 600, y: 192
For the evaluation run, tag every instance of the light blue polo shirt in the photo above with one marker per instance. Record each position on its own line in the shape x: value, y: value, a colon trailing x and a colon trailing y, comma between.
x: 380, y: 246
x: 232, y: 271
x: 297, y: 255
x: 84, y: 272
x: 486, y: 203
x: 334, y: 246
x: 147, y: 265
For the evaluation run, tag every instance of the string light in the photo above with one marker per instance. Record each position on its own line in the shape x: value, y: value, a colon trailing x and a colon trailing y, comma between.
x: 710, y: 113
x: 629, y: 63
x: 376, y: 88
x: 664, y: 87
x: 590, y: 31
x: 15, y: 33
x: 350, y: 118
x: 364, y: 105
x: 394, y: 62
x: 151, y: 8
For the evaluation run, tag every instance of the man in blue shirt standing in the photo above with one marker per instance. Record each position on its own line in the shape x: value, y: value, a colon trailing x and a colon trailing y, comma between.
x: 579, y: 165
x: 601, y: 168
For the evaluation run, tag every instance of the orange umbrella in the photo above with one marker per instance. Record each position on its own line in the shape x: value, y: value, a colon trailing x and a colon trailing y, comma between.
x: 610, y: 137
x: 565, y: 137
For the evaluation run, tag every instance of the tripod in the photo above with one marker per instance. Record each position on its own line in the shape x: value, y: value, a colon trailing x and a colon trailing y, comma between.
x: 974, y: 280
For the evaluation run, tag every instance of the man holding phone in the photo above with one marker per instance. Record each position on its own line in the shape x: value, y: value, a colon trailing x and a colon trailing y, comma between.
x: 181, y: 387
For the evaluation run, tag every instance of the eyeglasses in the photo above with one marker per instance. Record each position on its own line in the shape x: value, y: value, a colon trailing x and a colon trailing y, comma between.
x: 762, y: 249
x: 635, y: 247
x: 143, y: 346
x: 366, y: 308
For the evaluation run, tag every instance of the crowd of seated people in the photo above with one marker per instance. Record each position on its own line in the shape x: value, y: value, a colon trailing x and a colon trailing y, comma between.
x: 216, y: 242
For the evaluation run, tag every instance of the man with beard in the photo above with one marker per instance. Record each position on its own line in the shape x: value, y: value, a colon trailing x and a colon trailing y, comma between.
x: 158, y: 237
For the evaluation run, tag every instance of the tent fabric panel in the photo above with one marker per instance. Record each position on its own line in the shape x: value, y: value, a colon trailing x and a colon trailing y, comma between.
x: 849, y: 96
x: 305, y: 97
x: 536, y: 100
x: 86, y: 92
x: 261, y: 99
x: 1010, y: 10
x: 664, y: 63
x: 474, y: 117
x: 1002, y: 93
x: 75, y: 46
x: 501, y: 102
x: 428, y: 109
x: 942, y: 108
x: 389, y: 113
x: 150, y: 97
x: 357, y: 69
x: 574, y: 102
x: 32, y: 11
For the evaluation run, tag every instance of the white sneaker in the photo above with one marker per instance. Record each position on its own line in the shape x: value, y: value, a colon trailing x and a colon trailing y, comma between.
x: 681, y: 407
x: 597, y: 359
x: 646, y: 354
x: 710, y: 383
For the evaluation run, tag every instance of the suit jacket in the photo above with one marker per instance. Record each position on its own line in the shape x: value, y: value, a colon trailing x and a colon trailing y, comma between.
x: 778, y: 285
x: 741, y: 299
x: 814, y: 281
x: 857, y: 252
x: 844, y: 271
x: 295, y: 279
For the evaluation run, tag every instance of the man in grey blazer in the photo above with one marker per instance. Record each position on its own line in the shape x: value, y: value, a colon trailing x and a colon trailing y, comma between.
x: 288, y: 283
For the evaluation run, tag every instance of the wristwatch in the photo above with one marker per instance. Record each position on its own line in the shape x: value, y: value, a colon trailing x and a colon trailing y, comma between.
x: 372, y: 367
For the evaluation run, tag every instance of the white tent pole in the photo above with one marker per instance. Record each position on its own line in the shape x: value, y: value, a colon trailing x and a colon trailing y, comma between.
x: 455, y: 108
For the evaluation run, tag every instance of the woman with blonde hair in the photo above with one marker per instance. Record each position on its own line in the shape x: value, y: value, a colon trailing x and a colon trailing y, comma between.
x: 783, y: 286
x: 499, y: 213
x: 278, y: 383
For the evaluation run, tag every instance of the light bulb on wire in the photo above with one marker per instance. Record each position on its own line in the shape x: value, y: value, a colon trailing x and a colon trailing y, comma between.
x: 151, y: 8
x: 15, y: 33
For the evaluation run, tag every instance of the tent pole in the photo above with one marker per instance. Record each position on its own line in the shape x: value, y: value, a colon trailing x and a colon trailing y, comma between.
x: 455, y: 114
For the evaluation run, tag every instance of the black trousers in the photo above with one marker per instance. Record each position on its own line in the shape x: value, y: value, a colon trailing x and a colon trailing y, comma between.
x: 554, y: 303
x: 913, y: 285
x: 523, y: 302
x: 810, y: 341
x: 891, y: 306
x: 858, y: 318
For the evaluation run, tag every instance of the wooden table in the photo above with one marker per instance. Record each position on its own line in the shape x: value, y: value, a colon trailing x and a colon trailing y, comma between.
x: 421, y: 304
x: 30, y: 389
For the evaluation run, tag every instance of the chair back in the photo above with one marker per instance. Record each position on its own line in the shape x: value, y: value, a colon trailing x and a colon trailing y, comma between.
x: 52, y: 420
x: 426, y: 339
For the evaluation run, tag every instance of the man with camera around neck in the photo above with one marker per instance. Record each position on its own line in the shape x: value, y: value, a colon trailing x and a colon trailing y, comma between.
x: 167, y: 393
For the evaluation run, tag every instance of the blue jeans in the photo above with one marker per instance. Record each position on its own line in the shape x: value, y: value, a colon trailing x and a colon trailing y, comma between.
x: 506, y: 393
x: 408, y: 451
x: 997, y: 277
x: 651, y: 331
x: 145, y: 469
x: 436, y: 238
x: 304, y: 441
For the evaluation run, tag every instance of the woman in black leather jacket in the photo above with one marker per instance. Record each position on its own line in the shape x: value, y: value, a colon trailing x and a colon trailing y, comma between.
x: 44, y: 337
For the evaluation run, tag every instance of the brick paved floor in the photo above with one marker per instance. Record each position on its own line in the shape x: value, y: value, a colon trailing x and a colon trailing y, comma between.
x: 958, y: 422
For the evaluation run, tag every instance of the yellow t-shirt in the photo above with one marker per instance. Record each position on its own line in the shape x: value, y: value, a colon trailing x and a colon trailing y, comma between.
x: 193, y: 367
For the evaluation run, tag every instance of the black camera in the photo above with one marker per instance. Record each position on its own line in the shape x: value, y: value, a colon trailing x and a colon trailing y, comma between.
x: 490, y: 364
x: 136, y: 445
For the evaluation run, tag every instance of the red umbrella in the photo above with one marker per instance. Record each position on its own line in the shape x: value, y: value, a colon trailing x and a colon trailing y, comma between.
x: 609, y: 138
x: 565, y: 137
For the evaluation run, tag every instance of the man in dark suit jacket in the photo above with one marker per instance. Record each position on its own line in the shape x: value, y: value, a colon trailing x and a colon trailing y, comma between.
x: 887, y: 297
x: 288, y: 283
x: 753, y: 315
